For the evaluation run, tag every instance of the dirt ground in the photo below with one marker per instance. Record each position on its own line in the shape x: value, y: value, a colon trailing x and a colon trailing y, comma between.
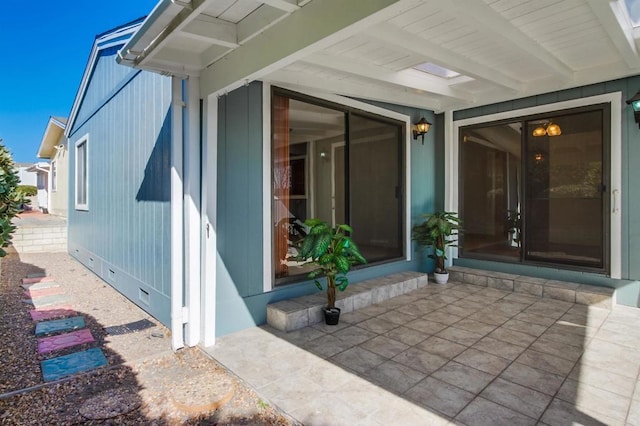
x: 144, y: 383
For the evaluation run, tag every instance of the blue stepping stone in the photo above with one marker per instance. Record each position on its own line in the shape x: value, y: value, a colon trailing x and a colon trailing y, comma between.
x: 57, y: 368
x: 37, y: 275
x: 56, y: 326
x: 40, y: 302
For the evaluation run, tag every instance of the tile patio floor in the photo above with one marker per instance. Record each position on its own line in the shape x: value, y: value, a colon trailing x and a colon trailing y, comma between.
x: 457, y: 354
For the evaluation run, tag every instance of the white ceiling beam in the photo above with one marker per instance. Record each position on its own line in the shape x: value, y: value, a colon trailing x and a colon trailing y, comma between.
x: 413, y: 79
x: 615, y: 22
x: 434, y: 53
x: 212, y: 30
x: 288, y: 6
x: 189, y: 59
x: 257, y: 21
x: 481, y: 16
x: 301, y: 81
x: 316, y: 26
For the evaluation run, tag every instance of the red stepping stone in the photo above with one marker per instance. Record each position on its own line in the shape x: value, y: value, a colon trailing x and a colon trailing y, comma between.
x: 52, y: 312
x: 62, y: 341
x: 43, y: 292
x: 37, y: 280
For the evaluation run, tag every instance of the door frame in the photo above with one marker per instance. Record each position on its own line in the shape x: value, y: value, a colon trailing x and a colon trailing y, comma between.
x: 452, y: 129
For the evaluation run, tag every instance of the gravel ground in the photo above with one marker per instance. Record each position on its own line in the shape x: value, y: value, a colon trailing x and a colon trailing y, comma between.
x: 144, y: 383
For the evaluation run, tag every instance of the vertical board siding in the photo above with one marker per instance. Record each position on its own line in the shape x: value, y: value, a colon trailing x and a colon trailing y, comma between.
x: 127, y: 225
x: 630, y: 201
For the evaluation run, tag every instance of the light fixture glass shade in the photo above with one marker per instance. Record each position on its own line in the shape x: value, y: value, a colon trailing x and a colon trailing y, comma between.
x: 539, y: 131
x: 422, y: 126
x: 554, y: 130
x: 538, y: 156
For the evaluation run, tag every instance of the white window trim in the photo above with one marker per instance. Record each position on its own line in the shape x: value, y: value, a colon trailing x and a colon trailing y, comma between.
x: 83, y: 140
x: 54, y: 175
x: 614, y: 99
x: 268, y: 281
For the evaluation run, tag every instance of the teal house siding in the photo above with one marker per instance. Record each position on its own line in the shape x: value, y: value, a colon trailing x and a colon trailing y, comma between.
x: 124, y: 236
x: 629, y: 287
x: 240, y: 299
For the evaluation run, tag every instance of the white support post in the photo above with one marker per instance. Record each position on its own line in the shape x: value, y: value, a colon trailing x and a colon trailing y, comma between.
x: 209, y: 224
x: 192, y: 224
x: 177, y: 265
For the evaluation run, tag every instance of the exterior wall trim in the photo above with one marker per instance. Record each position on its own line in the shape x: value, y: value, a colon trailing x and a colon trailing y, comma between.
x: 614, y: 99
x: 83, y: 140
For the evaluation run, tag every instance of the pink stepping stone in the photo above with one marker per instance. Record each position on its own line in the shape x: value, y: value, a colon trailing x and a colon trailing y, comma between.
x: 52, y: 312
x: 54, y: 343
x: 43, y: 292
x: 37, y: 280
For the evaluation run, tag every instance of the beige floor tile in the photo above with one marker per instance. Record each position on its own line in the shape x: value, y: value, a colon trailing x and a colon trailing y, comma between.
x: 491, y: 318
x: 354, y: 334
x: 358, y: 359
x: 508, y: 308
x: 440, y: 396
x: 535, y: 319
x: 327, y: 346
x: 426, y: 326
x: 420, y: 360
x: 395, y: 377
x: 453, y: 309
x: 603, y: 379
x: 475, y: 326
x: 397, y: 317
x: 407, y: 335
x: 633, y: 419
x: 377, y: 325
x: 599, y: 400
x: 498, y: 347
x: 519, y: 398
x: 512, y: 336
x: 354, y: 317
x: 562, y: 350
x: 482, y: 412
x: 533, y: 378
x: 384, y: 346
x: 442, y: 317
x: 441, y: 347
x: 482, y: 361
x: 460, y: 336
x: 464, y: 377
x: 561, y: 413
x: 400, y: 411
x: 546, y: 362
x: 525, y: 327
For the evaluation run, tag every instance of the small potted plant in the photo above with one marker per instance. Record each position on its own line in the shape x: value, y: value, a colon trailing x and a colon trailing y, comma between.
x: 439, y: 230
x: 333, y: 252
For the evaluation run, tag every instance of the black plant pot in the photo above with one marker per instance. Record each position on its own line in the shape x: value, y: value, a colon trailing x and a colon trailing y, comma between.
x: 331, y: 316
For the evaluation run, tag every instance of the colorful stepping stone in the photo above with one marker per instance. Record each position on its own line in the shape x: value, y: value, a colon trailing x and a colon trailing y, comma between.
x: 56, y: 326
x: 51, y: 312
x: 41, y: 302
x: 38, y: 286
x: 62, y: 341
x: 37, y: 280
x: 57, y: 368
x: 43, y: 292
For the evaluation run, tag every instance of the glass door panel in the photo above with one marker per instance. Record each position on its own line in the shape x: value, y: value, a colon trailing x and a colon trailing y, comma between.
x: 564, y: 187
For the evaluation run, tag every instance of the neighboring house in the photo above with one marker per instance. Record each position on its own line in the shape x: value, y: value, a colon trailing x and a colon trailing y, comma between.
x: 282, y: 110
x: 54, y: 148
x: 26, y: 177
x: 41, y: 170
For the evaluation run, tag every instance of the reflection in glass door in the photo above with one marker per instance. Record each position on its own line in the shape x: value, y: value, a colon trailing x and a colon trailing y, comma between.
x: 534, y: 190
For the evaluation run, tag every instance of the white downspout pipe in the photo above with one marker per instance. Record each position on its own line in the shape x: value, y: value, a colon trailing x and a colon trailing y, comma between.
x: 192, y: 207
x: 177, y: 234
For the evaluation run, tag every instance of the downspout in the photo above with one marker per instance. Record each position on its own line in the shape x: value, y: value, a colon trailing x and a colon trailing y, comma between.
x: 177, y: 234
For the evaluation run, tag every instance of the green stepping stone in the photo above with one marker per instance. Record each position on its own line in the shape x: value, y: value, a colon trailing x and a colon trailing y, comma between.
x: 40, y: 302
x: 62, y: 366
x: 40, y: 286
x: 37, y: 275
x: 56, y: 326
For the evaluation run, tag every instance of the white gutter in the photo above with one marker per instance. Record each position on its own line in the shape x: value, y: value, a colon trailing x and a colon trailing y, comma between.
x: 177, y: 193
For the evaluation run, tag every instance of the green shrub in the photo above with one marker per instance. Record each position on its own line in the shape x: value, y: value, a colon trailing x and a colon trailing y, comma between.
x: 27, y: 190
x: 11, y: 199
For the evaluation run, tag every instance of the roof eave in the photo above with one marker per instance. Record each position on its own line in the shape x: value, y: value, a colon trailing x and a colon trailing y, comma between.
x: 52, y: 133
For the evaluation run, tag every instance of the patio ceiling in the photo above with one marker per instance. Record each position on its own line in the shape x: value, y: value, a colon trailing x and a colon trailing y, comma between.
x: 502, y: 49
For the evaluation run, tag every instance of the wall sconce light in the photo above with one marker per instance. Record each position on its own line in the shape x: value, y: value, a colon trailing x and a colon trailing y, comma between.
x: 538, y: 157
x: 421, y: 129
x: 549, y: 129
x: 635, y: 104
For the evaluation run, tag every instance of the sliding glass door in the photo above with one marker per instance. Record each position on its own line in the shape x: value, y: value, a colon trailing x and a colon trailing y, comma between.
x: 534, y: 190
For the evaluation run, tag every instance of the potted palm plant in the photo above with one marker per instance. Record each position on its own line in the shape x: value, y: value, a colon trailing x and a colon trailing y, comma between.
x: 333, y: 252
x: 439, y: 230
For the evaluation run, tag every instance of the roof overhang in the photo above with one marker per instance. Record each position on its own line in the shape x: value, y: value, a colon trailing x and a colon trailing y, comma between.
x: 502, y: 50
x: 52, y: 134
x: 39, y: 167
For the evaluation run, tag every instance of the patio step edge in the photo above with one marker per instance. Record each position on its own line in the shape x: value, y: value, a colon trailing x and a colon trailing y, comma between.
x: 297, y: 313
x: 582, y: 294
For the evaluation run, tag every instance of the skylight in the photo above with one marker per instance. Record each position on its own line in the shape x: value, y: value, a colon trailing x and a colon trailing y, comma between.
x: 633, y: 9
x: 443, y: 72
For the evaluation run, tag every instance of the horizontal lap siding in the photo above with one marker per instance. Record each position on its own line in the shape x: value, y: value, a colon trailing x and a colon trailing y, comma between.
x: 124, y: 237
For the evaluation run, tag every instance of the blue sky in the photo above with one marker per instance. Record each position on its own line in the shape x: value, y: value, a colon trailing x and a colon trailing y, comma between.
x: 45, y: 46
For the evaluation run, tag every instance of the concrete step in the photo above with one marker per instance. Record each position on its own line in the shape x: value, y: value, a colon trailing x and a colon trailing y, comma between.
x: 601, y: 297
x: 293, y: 314
x: 39, y: 239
